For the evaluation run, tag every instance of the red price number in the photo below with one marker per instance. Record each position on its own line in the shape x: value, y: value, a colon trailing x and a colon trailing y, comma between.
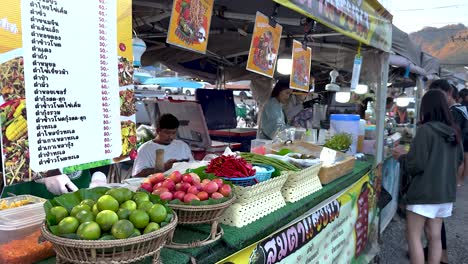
x: 107, y: 151
x: 105, y: 98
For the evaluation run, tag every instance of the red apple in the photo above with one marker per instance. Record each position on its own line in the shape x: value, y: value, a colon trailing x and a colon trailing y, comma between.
x: 187, y: 178
x: 176, y: 177
x: 185, y: 186
x: 179, y: 195
x: 159, y: 190
x: 169, y: 184
x: 203, y: 196
x: 225, y: 190
x: 157, y: 177
x: 159, y: 184
x: 219, y: 182
x: 166, y: 196
x: 147, y: 186
x: 193, y: 190
x: 190, y: 197
x: 195, y: 177
x: 178, y: 186
x: 199, y: 186
x: 205, y: 181
x: 211, y: 187
x: 216, y: 195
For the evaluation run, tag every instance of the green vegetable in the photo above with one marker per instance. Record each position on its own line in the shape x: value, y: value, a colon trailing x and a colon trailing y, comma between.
x: 279, y: 165
x: 339, y: 142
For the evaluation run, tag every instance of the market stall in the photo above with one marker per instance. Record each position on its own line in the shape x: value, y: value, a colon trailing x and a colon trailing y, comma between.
x: 303, y: 209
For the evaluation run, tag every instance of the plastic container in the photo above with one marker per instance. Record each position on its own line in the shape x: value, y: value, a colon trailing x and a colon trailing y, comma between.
x: 361, y: 136
x: 342, y: 123
x: 299, y: 133
x: 19, y: 222
x: 370, y: 132
x: 264, y: 175
x: 257, y: 146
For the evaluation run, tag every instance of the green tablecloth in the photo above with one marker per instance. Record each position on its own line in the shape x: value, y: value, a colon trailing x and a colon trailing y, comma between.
x: 235, y: 239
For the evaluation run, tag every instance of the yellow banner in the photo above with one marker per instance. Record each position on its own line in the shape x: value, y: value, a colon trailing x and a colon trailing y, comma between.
x: 365, y: 21
x: 301, y: 61
x: 264, y: 46
x: 190, y: 24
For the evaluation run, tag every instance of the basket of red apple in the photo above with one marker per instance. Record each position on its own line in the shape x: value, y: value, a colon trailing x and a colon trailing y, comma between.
x: 194, y: 200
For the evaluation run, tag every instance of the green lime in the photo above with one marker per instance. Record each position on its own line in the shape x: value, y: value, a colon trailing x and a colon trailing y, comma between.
x: 107, y: 202
x: 122, y: 229
x: 123, y: 213
x: 68, y: 225
x: 157, y: 213
x: 84, y: 216
x: 78, y: 208
x: 168, y: 218
x: 107, y: 237
x: 139, y: 218
x: 88, y: 202
x: 106, y: 219
x: 137, y: 232
x: 145, y: 206
x: 58, y: 213
x: 151, y: 227
x: 89, y: 231
x: 140, y: 197
x: 95, y: 210
x: 130, y: 205
x: 119, y: 194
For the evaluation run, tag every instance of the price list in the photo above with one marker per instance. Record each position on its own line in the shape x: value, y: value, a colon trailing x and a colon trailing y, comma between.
x: 71, y: 81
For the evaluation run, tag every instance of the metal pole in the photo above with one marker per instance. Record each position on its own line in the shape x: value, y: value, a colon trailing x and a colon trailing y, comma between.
x: 381, y: 96
x: 419, y: 93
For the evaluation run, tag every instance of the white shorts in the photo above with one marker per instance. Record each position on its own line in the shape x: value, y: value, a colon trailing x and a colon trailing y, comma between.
x: 431, y: 210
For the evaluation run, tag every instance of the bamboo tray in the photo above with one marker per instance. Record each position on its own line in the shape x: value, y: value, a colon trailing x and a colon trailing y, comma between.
x: 327, y: 173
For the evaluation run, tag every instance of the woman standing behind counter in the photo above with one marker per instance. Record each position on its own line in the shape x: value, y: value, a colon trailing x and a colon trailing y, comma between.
x: 273, y: 117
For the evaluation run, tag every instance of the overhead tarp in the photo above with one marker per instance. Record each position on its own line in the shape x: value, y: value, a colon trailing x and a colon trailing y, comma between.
x: 403, y: 46
x: 430, y: 64
x: 365, y: 21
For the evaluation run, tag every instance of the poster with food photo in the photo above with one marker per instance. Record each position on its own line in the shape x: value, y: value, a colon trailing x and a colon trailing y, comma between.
x: 190, y: 24
x: 264, y: 46
x: 301, y: 61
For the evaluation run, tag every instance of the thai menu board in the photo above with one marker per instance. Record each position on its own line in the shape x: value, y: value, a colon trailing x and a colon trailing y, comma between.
x: 66, y: 86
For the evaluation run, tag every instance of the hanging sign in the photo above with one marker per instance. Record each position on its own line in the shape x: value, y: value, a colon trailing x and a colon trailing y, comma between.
x: 264, y: 46
x: 356, y: 72
x: 62, y: 83
x: 301, y: 62
x: 190, y: 24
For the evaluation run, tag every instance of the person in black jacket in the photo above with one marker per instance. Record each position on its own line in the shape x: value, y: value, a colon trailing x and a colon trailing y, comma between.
x: 431, y: 163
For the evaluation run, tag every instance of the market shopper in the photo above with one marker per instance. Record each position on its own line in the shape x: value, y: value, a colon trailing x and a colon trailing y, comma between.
x: 273, y: 117
x: 432, y: 162
x: 174, y: 150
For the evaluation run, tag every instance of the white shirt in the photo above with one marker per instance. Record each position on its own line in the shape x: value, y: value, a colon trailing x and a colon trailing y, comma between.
x: 177, y: 150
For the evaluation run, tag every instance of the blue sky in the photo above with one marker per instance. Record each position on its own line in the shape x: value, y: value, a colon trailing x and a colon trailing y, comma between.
x: 413, y: 15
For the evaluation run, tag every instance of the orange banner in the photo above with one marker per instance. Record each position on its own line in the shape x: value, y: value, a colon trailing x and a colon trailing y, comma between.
x: 264, y: 47
x: 190, y: 24
x: 300, y: 75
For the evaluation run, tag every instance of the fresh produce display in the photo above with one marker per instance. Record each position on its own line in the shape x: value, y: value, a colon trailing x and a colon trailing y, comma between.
x: 129, y: 141
x: 339, y: 142
x: 106, y: 214
x: 127, y: 102
x: 187, y: 188
x: 230, y: 166
x: 125, y: 72
x: 275, y: 163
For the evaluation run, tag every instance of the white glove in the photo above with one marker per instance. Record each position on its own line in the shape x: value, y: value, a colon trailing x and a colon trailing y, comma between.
x: 98, y: 179
x: 59, y: 184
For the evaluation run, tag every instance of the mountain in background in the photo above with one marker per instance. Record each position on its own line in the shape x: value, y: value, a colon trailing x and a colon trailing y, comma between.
x: 449, y: 44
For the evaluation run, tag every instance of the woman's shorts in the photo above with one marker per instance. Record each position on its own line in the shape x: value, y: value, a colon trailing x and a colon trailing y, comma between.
x: 431, y: 210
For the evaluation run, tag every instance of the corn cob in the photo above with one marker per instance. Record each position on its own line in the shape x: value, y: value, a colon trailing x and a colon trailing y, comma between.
x: 16, y: 129
x: 19, y: 108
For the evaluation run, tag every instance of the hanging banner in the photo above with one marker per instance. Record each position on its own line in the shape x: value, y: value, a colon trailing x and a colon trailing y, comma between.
x: 61, y: 84
x: 301, y: 62
x: 365, y: 21
x: 190, y: 24
x: 264, y: 46
x: 342, y: 229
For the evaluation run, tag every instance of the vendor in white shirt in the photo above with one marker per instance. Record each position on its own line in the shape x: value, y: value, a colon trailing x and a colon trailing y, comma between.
x: 174, y: 150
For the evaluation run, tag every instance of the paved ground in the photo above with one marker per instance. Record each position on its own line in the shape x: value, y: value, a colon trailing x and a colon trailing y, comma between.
x: 394, y: 245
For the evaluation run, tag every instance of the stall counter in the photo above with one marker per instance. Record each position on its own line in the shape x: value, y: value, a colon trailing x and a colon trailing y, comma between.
x: 236, y: 239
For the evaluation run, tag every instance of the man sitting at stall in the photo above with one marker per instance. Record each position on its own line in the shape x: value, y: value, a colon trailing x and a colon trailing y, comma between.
x: 174, y: 150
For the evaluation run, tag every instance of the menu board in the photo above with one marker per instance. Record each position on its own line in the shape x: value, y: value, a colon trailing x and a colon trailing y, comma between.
x: 67, y: 86
x: 300, y: 75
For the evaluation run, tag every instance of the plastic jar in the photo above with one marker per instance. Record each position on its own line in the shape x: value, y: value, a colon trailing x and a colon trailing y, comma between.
x: 342, y: 123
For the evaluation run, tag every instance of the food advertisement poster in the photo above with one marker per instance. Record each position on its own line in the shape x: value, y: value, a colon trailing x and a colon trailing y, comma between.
x: 301, y: 61
x: 365, y: 21
x: 342, y: 229
x: 190, y: 24
x: 65, y: 101
x: 264, y: 46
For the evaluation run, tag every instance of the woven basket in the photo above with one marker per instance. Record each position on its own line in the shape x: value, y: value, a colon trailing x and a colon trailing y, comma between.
x: 110, y: 251
x: 199, y: 214
x: 302, y: 184
x: 248, y: 194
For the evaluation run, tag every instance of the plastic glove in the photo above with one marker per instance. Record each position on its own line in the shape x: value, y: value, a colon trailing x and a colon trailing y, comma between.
x: 98, y: 179
x: 59, y: 184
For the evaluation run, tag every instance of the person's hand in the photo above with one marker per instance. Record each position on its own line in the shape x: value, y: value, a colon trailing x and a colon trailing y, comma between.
x: 398, y: 151
x: 59, y: 184
x: 168, y: 164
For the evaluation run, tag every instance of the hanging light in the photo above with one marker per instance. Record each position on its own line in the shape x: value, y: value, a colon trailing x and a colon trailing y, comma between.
x: 343, y: 96
x: 361, y: 89
x: 284, y: 66
x: 139, y: 47
x: 403, y: 100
